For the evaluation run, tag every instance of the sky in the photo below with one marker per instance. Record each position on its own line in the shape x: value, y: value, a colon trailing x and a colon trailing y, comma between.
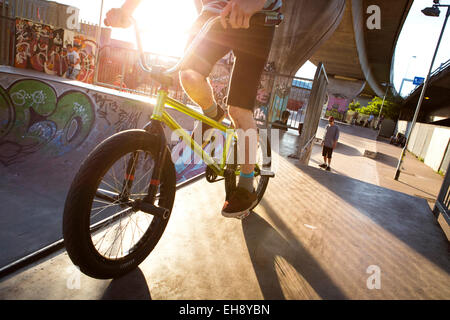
x: 165, y: 24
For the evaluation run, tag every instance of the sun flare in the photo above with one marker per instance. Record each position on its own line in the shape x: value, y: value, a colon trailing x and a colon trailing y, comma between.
x: 164, y: 26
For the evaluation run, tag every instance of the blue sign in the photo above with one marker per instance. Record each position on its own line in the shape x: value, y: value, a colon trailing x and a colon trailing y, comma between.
x: 418, y: 81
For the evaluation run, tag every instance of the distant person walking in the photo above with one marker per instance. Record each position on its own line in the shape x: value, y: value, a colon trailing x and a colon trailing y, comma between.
x: 329, y: 142
x: 369, y: 121
x: 355, y: 118
x: 282, y: 124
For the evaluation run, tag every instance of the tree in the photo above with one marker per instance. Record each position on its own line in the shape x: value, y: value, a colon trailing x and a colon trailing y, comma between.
x: 390, y: 109
x: 354, y: 105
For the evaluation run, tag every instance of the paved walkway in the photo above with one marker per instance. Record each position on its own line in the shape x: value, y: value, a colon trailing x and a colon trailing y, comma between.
x: 315, y: 235
x: 416, y: 178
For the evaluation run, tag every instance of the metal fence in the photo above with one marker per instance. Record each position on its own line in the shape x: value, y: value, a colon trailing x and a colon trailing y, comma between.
x: 7, y: 40
x: 442, y: 205
x: 118, y: 68
x: 282, y: 100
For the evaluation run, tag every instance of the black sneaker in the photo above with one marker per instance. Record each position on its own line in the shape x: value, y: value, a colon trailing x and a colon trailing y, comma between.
x: 219, y: 117
x: 328, y: 168
x: 239, y: 203
x: 323, y: 165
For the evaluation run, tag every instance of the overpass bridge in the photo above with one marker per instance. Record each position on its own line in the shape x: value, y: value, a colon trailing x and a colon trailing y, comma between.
x: 435, y: 107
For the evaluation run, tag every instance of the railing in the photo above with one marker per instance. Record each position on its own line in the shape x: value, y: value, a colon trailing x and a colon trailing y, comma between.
x: 440, y: 68
x: 442, y: 205
x: 280, y: 94
x: 118, y: 67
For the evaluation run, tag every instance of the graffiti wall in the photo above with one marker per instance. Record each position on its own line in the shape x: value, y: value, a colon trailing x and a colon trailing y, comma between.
x: 338, y: 103
x: 47, y: 128
x: 42, y: 119
x: 45, y: 49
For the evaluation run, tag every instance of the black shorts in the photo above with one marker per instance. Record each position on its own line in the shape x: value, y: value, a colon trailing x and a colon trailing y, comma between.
x: 327, y: 152
x: 251, y: 48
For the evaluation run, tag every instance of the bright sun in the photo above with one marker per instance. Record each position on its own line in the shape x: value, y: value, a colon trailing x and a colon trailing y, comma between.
x: 163, y: 24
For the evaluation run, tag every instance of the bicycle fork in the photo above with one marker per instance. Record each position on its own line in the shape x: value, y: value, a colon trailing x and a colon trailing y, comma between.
x: 147, y: 203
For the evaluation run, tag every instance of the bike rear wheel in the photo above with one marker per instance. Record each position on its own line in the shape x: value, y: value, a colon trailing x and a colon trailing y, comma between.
x: 105, y: 234
x: 263, y: 163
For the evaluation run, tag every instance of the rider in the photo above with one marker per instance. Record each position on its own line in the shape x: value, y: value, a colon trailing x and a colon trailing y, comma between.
x: 243, y: 31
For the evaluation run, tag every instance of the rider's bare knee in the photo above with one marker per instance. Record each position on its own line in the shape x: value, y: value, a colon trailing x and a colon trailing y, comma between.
x: 190, y: 77
x: 238, y: 112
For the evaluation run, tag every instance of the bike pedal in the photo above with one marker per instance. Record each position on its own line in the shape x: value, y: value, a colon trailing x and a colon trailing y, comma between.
x: 151, y: 209
x: 243, y: 216
x: 267, y: 173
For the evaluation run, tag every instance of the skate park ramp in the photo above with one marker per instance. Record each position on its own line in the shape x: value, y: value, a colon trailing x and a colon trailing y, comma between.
x: 48, y: 125
x: 315, y: 235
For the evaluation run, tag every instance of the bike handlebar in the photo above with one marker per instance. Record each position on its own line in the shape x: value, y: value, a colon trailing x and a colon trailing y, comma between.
x: 272, y: 18
x: 206, y: 27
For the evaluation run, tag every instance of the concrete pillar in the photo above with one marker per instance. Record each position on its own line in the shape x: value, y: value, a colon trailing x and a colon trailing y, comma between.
x: 307, y: 24
x: 346, y: 90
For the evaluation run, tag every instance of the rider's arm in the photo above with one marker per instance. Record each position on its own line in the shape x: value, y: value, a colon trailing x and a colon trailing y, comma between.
x: 239, y: 12
x: 130, y: 5
x: 120, y: 17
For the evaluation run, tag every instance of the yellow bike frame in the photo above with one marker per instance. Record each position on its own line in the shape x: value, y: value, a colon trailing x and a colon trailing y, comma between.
x: 160, y: 114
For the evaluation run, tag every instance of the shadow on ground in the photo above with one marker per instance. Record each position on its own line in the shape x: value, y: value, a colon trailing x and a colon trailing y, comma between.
x: 386, y: 159
x: 278, y: 261
x: 406, y: 217
x: 132, y: 286
x: 347, y: 150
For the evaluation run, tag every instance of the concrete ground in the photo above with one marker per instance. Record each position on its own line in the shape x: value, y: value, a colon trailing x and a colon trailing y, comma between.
x: 416, y: 178
x: 315, y: 235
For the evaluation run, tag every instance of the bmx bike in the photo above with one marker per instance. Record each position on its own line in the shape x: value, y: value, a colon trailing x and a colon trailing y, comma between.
x: 121, y: 199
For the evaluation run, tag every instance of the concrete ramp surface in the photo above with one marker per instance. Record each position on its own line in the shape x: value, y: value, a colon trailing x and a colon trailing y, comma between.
x: 48, y: 125
x: 315, y: 235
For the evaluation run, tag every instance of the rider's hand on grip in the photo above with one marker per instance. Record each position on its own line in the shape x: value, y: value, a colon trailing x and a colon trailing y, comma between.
x: 118, y: 18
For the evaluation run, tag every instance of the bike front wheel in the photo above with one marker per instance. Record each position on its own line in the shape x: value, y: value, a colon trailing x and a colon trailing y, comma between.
x: 104, y: 233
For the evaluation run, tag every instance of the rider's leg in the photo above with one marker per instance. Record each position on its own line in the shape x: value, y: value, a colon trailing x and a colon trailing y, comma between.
x: 247, y: 134
x: 199, y: 89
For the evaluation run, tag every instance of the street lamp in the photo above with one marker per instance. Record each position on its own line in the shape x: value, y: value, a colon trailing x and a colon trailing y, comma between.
x: 430, y: 12
x: 388, y: 85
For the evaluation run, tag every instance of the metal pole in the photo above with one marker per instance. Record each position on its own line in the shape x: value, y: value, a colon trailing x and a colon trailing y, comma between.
x: 422, y: 94
x: 382, y: 104
x: 98, y: 38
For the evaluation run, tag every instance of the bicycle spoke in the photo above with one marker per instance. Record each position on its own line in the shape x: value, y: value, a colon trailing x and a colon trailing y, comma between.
x: 142, y: 177
x: 106, y: 233
x: 112, y: 204
x: 115, y: 189
x: 119, y: 228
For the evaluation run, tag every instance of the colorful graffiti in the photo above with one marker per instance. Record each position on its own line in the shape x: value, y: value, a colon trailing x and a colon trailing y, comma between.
x: 43, y: 48
x: 117, y: 116
x: 53, y: 120
x: 337, y: 102
x: 34, y: 118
